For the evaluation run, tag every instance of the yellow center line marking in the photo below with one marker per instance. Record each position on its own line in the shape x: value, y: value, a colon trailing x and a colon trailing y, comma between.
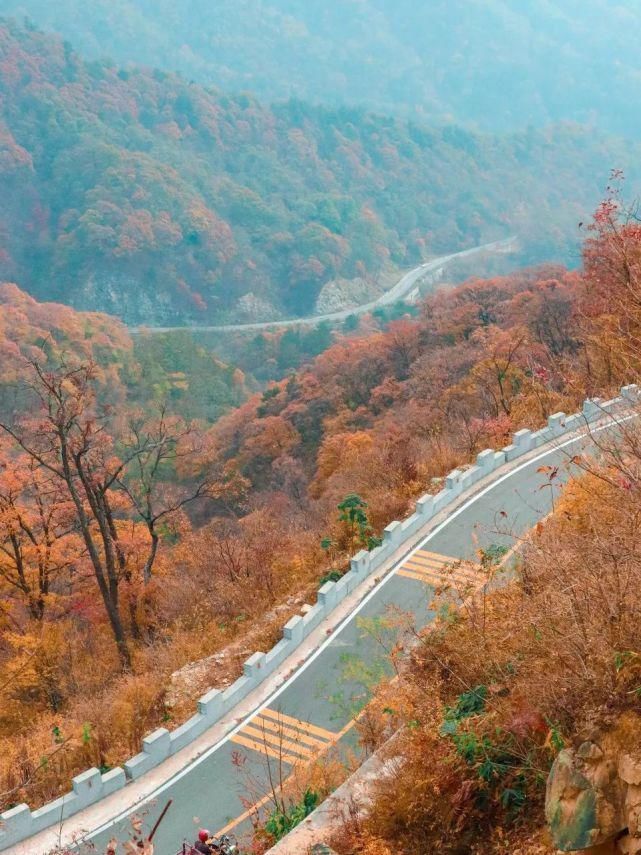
x: 304, y: 726
x: 442, y: 578
x: 433, y: 562
x: 437, y: 580
x: 438, y: 570
x: 296, y: 735
x: 261, y: 748
x: 442, y: 568
x: 282, y: 737
x: 348, y: 727
x: 447, y: 559
x: 430, y: 562
x: 421, y: 577
x: 433, y: 559
x: 245, y: 815
x: 266, y: 799
x: 263, y: 736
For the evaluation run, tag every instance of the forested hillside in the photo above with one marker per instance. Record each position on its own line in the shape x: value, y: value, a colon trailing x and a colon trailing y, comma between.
x: 241, y: 519
x: 367, y: 416
x: 539, y: 672
x: 382, y: 410
x: 173, y: 493
x: 141, y: 194
x: 498, y: 64
x: 172, y: 372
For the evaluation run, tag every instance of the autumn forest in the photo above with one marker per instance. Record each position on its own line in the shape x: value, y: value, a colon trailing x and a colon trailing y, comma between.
x: 169, y: 499
x: 138, y: 193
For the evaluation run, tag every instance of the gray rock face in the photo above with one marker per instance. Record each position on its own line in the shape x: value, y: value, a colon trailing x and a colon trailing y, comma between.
x: 252, y: 308
x: 126, y: 297
x: 593, y: 796
x: 346, y: 294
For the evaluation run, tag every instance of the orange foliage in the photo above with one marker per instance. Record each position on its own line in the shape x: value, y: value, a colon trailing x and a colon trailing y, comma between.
x: 384, y: 415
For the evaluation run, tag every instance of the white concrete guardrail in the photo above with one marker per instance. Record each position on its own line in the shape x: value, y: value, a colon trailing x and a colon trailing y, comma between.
x: 91, y: 786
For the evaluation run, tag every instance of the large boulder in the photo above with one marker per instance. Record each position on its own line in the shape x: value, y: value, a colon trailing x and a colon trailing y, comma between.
x: 583, y: 804
x: 593, y: 797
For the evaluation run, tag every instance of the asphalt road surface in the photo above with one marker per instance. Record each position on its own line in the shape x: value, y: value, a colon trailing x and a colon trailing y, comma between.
x: 403, y: 287
x: 312, y: 713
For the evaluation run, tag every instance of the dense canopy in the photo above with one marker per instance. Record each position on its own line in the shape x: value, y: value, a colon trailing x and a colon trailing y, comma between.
x: 497, y: 64
x: 136, y: 192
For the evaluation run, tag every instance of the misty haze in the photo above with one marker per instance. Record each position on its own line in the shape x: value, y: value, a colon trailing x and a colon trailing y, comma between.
x: 320, y: 336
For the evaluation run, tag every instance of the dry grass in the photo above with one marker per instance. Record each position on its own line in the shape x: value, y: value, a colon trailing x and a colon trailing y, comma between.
x: 557, y: 654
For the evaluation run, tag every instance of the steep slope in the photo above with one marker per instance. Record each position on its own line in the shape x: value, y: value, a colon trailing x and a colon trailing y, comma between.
x: 498, y: 64
x: 143, y: 195
x: 381, y: 414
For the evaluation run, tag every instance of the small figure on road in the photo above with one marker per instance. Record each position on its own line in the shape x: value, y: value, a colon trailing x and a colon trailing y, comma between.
x: 203, y: 843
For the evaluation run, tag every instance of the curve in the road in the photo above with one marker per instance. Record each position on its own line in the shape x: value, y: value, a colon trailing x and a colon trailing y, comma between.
x: 313, y: 711
x: 403, y: 287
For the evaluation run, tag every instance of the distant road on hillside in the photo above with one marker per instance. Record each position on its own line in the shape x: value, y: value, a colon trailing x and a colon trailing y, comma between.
x: 403, y: 288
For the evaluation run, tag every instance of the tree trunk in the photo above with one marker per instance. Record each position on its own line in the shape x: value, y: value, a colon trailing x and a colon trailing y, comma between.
x: 109, y: 591
x: 119, y: 636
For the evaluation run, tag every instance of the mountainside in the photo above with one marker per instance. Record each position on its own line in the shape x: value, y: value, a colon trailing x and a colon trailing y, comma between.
x: 212, y: 398
x: 140, y: 194
x: 174, y: 370
x: 539, y: 669
x: 367, y: 426
x: 378, y: 409
x: 383, y: 413
x: 497, y: 64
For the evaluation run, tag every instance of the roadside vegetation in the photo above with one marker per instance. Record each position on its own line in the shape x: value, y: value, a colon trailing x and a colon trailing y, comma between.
x: 546, y: 660
x: 213, y: 536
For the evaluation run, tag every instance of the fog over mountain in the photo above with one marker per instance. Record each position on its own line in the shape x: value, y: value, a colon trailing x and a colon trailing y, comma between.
x: 494, y: 64
x: 137, y: 193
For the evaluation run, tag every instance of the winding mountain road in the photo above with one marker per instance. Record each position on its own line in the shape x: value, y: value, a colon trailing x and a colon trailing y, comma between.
x: 312, y: 712
x: 404, y: 287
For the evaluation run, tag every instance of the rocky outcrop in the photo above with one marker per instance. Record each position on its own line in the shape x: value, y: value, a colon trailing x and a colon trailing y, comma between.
x: 593, y: 798
x: 124, y: 295
x: 340, y: 294
x: 253, y: 309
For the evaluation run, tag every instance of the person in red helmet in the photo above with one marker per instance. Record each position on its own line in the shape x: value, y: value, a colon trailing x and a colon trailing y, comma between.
x: 202, y: 844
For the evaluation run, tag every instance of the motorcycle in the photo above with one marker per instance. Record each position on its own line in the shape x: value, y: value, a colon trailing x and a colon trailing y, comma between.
x: 228, y: 845
x: 223, y: 845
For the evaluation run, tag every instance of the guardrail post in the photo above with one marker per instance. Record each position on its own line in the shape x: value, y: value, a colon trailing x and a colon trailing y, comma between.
x: 523, y: 440
x: 485, y: 459
x: 254, y: 666
x: 453, y: 480
x: 425, y: 505
x: 87, y: 786
x: 360, y: 563
x: 592, y: 409
x: 471, y: 476
x: 556, y: 423
x: 157, y: 745
x: 327, y: 595
x: 293, y: 629
x: 210, y: 705
x: 15, y: 824
x: 391, y: 533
